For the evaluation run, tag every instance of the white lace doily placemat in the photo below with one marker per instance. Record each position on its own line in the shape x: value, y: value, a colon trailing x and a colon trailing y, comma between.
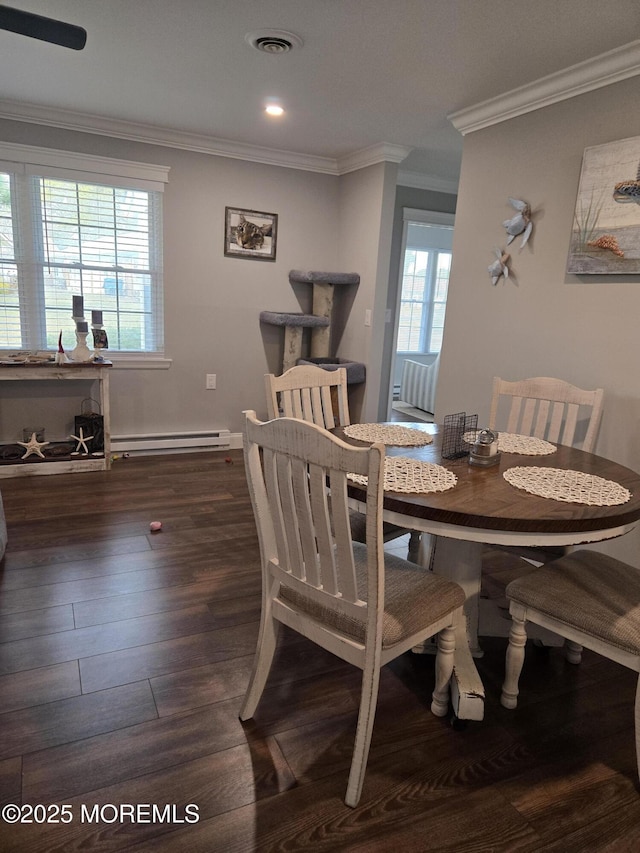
x: 402, y: 474
x: 399, y: 436
x: 569, y: 486
x: 511, y: 442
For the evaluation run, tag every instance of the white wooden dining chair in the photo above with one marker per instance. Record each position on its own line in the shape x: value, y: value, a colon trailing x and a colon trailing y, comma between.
x: 548, y: 408
x: 363, y: 605
x: 320, y: 397
x: 553, y: 410
x: 590, y: 599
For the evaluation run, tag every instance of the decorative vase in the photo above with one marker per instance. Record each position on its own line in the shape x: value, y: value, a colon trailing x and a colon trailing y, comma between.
x: 81, y: 352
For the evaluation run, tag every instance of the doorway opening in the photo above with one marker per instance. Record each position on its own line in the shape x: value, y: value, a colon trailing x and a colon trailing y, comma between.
x: 423, y: 282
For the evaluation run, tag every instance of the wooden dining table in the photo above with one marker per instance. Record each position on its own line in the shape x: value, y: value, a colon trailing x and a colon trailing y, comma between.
x: 484, y: 509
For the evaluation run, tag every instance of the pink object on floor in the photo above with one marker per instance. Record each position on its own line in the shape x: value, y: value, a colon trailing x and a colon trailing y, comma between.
x: 155, y: 526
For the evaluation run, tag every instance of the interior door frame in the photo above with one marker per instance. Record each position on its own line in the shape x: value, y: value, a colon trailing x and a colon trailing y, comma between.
x: 410, y: 214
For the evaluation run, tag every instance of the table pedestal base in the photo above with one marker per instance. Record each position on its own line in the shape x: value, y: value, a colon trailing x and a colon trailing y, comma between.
x: 461, y: 562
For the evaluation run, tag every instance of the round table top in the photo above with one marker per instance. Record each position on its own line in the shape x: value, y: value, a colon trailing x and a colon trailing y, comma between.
x: 482, y: 498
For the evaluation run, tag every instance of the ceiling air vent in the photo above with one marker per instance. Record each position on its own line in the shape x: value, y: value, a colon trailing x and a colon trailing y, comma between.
x: 273, y: 41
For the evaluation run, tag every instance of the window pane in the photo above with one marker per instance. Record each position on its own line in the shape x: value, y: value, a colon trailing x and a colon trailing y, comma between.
x: 7, y: 250
x: 414, y: 279
x: 97, y: 243
x: 10, y: 334
x: 59, y: 286
x: 97, y: 248
x: 425, y: 282
x: 410, y: 326
x: 442, y: 276
x: 435, y: 344
x: 413, y: 312
x: 59, y: 320
x: 10, y: 331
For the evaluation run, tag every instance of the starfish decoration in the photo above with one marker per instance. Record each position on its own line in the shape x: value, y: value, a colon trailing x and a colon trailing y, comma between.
x: 33, y: 446
x: 82, y: 440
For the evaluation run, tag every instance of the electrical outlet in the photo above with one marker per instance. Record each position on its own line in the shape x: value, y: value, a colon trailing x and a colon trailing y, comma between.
x: 211, y: 382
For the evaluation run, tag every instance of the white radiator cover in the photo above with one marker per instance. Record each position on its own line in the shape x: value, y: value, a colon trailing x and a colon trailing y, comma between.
x: 418, y: 385
x: 150, y: 442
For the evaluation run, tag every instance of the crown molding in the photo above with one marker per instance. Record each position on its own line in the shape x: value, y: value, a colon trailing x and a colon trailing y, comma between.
x: 167, y: 137
x: 385, y: 152
x: 603, y: 70
x: 153, y: 135
x: 420, y: 181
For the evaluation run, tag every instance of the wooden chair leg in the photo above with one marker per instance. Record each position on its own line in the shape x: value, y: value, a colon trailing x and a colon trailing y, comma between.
x: 573, y: 651
x: 414, y: 547
x: 267, y: 639
x: 426, y: 550
x: 513, y: 663
x: 444, y: 669
x: 368, y: 702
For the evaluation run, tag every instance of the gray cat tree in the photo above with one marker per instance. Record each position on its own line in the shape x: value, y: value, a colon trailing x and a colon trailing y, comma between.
x: 324, y: 284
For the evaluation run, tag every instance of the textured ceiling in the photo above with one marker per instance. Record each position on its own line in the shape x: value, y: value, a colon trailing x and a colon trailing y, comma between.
x: 369, y: 72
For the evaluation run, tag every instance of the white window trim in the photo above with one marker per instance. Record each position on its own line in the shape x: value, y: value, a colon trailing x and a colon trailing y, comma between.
x: 142, y: 175
x: 140, y: 361
x: 431, y: 217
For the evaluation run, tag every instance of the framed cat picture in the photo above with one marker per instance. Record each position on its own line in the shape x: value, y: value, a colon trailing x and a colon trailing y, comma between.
x: 250, y: 234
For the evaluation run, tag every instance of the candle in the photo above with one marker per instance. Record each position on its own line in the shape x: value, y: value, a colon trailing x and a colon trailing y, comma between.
x: 78, y: 306
x: 82, y: 326
x: 96, y: 318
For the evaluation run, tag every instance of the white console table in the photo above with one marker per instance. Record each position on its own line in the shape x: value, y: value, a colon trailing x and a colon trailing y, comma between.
x: 96, y: 372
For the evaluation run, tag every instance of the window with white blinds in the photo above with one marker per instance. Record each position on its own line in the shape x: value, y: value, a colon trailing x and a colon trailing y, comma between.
x: 67, y: 232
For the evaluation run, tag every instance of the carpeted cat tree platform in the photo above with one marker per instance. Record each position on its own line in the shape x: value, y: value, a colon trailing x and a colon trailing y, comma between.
x: 324, y: 284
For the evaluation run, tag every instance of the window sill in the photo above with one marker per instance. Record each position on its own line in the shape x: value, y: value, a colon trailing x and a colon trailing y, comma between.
x: 140, y: 362
x: 125, y: 361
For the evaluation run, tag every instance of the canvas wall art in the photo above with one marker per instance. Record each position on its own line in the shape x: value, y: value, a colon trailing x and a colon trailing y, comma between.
x: 605, y: 238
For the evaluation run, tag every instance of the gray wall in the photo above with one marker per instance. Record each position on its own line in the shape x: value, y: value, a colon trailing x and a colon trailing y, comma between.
x: 366, y: 210
x: 542, y: 321
x: 212, y: 303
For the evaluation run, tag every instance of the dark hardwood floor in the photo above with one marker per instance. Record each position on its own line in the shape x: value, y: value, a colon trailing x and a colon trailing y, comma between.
x: 124, y: 655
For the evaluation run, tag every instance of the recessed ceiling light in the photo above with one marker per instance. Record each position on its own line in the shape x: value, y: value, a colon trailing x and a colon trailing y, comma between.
x: 274, y: 109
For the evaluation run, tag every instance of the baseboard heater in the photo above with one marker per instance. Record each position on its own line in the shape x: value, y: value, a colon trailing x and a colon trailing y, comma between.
x: 171, y: 441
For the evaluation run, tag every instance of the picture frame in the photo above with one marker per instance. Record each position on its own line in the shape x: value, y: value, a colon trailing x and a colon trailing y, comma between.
x: 250, y: 234
x: 605, y: 237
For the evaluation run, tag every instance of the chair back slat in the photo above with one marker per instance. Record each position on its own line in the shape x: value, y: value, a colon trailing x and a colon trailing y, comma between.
x: 292, y: 404
x: 319, y: 494
x: 549, y: 408
x: 555, y: 423
x: 275, y: 507
x: 342, y: 531
x: 304, y: 516
x: 526, y: 425
x: 570, y: 423
x: 514, y: 415
x: 542, y: 419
